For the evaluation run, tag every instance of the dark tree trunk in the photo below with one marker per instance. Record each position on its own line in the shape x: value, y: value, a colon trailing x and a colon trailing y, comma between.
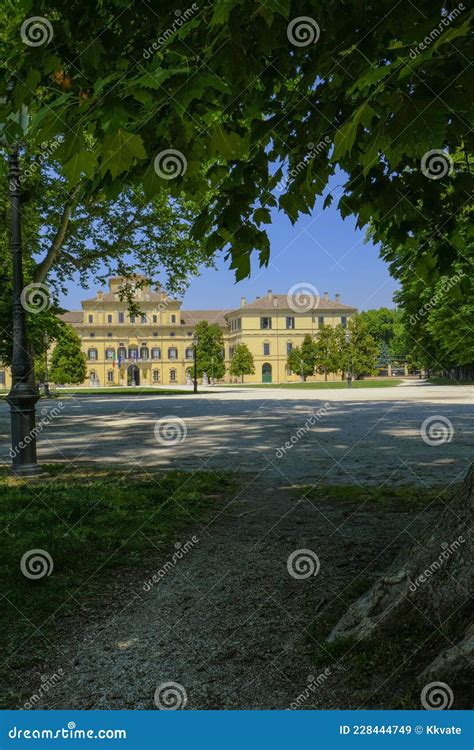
x: 428, y: 584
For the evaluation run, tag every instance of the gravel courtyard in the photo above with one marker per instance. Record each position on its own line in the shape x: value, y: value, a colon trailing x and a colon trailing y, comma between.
x: 304, y: 436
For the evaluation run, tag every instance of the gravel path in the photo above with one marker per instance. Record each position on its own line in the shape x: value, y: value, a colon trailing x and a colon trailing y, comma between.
x: 229, y: 624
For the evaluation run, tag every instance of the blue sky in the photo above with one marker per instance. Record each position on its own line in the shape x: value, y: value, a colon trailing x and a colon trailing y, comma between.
x: 322, y: 249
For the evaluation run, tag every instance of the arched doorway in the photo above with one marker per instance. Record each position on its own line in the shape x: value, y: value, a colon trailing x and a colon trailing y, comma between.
x: 266, y: 373
x: 133, y: 375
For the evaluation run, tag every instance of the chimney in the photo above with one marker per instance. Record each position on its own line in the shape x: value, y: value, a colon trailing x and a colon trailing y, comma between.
x: 257, y: 297
x: 338, y: 297
x: 270, y: 295
x: 243, y: 302
x: 326, y: 296
x: 100, y: 296
x: 275, y: 302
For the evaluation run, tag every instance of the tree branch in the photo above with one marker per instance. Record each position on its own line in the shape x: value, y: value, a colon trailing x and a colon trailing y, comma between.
x: 43, y: 268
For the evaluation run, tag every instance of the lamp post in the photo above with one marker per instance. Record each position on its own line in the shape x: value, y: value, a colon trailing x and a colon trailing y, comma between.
x: 22, y: 396
x: 195, y: 343
x: 349, y: 373
x: 46, y: 379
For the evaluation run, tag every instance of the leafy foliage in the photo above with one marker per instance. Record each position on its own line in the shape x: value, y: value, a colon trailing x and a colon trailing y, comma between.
x: 302, y: 359
x: 68, y: 362
x: 242, y: 362
x: 209, y: 350
x: 245, y: 106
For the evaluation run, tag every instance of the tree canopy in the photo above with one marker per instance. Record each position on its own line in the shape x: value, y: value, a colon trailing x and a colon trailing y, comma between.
x: 245, y: 109
x: 209, y: 350
x: 242, y: 362
x: 68, y: 362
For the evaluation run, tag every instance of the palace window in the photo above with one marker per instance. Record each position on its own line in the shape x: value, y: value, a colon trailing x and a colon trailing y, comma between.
x: 109, y: 353
x: 143, y: 318
x: 132, y: 352
x: 321, y: 321
x: 173, y: 318
x: 121, y: 317
x: 109, y: 319
x: 122, y: 352
x: 92, y: 354
x: 2, y: 378
x: 110, y: 376
x: 91, y: 318
x: 109, y: 335
x: 156, y: 376
x: 289, y: 347
x: 173, y: 375
x: 155, y: 334
x: 156, y: 352
x: 189, y: 333
x: 189, y: 353
x: 132, y: 318
x: 172, y: 333
x: 172, y: 353
x: 265, y: 323
x: 231, y: 351
x: 290, y: 322
x: 344, y: 322
x: 92, y: 335
x: 144, y: 352
x: 266, y: 350
x: 155, y: 318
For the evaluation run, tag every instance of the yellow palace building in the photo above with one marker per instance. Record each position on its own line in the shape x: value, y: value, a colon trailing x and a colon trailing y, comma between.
x: 156, y: 347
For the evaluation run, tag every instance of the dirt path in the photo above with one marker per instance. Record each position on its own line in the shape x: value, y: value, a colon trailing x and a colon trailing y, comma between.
x: 229, y: 623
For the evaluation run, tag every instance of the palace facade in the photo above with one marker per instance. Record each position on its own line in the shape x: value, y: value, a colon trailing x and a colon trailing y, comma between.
x: 156, y: 347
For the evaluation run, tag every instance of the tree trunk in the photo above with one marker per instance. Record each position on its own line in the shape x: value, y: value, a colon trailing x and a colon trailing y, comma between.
x: 428, y: 584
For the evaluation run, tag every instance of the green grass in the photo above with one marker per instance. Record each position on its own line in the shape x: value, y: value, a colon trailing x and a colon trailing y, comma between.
x: 120, y: 392
x: 449, y: 381
x: 320, y: 384
x: 98, y: 527
x: 404, y: 498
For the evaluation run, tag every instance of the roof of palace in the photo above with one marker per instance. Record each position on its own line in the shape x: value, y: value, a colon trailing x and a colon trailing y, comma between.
x: 280, y: 302
x: 191, y: 317
x: 73, y: 316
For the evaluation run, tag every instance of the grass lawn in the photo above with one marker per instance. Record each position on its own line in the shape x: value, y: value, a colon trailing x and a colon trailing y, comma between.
x: 321, y: 385
x: 449, y: 381
x: 98, y: 527
x: 119, y: 392
x: 405, y: 498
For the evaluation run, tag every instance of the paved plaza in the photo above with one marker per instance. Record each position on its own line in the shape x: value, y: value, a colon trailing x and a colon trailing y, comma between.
x: 413, y: 433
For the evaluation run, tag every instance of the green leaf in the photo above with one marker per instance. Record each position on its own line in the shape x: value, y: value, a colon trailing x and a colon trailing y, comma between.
x: 227, y: 145
x: 344, y: 140
x: 120, y: 151
x: 81, y: 163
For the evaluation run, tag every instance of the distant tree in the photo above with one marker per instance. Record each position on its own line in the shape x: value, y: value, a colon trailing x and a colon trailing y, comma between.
x: 68, y: 362
x: 361, y: 349
x: 242, y: 362
x: 302, y: 359
x: 209, y: 350
x: 327, y: 355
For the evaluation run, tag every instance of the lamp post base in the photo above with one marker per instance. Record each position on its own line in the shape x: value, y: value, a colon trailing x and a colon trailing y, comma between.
x: 22, y: 399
